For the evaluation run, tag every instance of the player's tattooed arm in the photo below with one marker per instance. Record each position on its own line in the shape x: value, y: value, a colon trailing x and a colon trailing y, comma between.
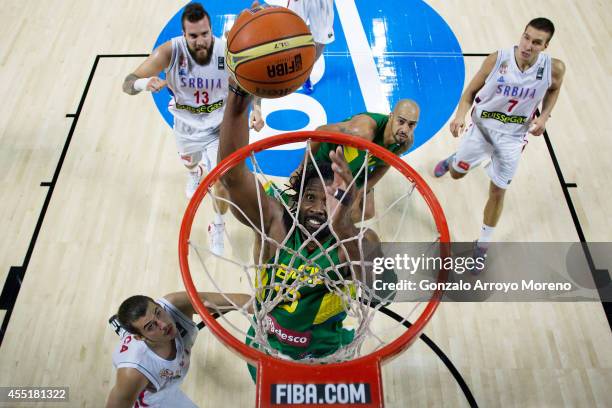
x: 147, y: 71
x: 128, y: 84
x: 360, y: 125
x: 348, y: 130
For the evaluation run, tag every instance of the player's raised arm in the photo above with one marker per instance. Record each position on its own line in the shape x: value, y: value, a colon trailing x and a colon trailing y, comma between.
x: 339, y: 201
x: 361, y: 126
x: 244, y: 189
x: 223, y: 302
x: 129, y: 383
x: 457, y: 125
x: 145, y: 76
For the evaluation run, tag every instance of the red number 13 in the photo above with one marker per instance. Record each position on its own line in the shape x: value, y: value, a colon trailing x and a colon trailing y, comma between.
x: 203, y: 99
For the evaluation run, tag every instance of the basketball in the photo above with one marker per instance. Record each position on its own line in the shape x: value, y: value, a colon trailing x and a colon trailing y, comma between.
x: 270, y: 51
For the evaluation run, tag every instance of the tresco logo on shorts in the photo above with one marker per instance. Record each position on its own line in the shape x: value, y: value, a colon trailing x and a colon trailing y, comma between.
x: 361, y: 70
x: 287, y: 336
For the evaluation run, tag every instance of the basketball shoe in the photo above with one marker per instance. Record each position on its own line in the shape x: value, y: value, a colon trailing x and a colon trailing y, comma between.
x: 479, y: 251
x: 215, y: 235
x: 443, y: 166
x: 193, y: 180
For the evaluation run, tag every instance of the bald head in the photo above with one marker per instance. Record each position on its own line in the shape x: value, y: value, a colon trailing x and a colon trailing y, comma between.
x: 407, y: 107
x: 403, y: 121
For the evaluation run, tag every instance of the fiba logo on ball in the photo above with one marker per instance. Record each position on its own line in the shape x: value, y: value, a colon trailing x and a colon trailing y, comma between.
x: 270, y: 51
x: 285, y: 68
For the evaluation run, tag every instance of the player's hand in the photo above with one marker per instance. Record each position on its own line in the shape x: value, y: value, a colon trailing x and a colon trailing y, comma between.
x: 256, y: 120
x: 339, y: 197
x: 156, y: 84
x: 538, y: 125
x: 457, y: 126
x: 231, y: 81
x: 293, y: 178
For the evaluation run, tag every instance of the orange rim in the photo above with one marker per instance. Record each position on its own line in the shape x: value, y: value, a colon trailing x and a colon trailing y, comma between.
x: 254, y: 356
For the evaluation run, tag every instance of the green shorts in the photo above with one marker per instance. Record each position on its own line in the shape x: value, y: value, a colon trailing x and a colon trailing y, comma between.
x: 325, y: 332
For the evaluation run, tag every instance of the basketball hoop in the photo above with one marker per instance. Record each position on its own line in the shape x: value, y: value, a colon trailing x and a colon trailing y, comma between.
x: 284, y: 382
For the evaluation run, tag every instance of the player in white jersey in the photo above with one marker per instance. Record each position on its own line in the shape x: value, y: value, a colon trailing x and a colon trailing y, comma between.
x: 196, y: 75
x: 505, y: 94
x: 319, y: 15
x: 153, y: 355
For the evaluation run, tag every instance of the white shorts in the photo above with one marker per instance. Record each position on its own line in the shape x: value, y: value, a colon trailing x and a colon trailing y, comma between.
x: 173, y: 397
x: 319, y: 15
x: 480, y: 143
x: 188, y: 146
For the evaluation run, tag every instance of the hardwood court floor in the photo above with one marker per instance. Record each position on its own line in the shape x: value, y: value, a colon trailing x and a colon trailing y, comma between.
x: 111, y: 225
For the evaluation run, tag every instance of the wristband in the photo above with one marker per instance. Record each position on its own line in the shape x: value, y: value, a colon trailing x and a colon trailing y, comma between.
x: 141, y: 84
x: 338, y: 196
x: 238, y: 91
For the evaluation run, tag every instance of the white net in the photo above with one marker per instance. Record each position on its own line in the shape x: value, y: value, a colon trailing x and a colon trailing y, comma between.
x: 281, y: 274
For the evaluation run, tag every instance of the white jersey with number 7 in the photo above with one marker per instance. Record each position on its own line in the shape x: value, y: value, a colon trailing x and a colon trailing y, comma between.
x: 508, y: 100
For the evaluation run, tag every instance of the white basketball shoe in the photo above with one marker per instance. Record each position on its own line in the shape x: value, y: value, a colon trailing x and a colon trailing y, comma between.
x: 216, y: 238
x: 193, y: 180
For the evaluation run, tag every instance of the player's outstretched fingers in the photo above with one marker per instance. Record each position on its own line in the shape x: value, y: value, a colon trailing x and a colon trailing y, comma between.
x: 340, y: 166
x: 343, y: 178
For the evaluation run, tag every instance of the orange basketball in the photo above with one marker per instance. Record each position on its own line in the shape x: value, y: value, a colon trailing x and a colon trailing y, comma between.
x: 270, y: 51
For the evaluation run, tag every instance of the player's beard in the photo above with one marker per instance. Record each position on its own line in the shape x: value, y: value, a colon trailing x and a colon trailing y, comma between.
x: 401, y: 139
x: 202, y: 59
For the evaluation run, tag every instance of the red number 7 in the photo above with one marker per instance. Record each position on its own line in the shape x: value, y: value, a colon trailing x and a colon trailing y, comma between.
x: 512, y: 103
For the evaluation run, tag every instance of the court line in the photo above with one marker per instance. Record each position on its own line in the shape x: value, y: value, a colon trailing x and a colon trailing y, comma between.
x: 13, y: 282
x: 601, y: 277
x: 438, y: 351
x: 16, y: 275
x: 361, y: 54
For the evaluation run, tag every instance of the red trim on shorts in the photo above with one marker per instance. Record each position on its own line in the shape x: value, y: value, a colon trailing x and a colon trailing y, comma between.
x: 140, y: 402
x: 463, y: 165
